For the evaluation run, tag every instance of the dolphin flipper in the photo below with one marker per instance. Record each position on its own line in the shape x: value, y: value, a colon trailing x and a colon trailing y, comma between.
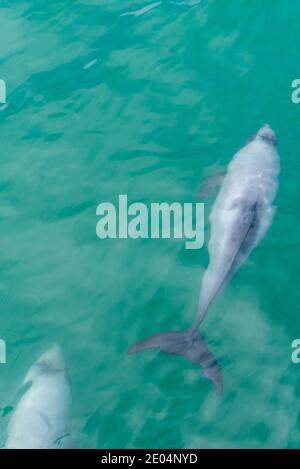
x: 191, y: 345
x: 66, y: 441
x: 210, y: 184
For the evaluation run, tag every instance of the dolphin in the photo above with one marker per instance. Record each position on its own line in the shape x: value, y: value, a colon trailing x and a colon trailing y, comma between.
x: 39, y: 421
x: 240, y: 216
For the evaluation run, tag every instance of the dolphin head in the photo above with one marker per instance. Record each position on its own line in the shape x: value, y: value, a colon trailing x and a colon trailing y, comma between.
x: 267, y: 134
x: 49, y: 363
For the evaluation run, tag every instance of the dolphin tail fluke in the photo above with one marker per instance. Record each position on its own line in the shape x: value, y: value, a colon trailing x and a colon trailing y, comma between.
x: 191, y: 345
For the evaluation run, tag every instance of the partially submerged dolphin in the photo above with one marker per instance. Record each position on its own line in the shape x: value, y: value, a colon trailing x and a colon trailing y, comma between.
x: 40, y: 418
x: 241, y: 215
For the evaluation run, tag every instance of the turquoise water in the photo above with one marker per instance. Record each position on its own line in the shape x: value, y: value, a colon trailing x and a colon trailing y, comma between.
x: 102, y: 102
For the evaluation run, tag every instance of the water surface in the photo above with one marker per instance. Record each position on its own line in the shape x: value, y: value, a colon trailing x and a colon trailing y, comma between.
x: 145, y: 99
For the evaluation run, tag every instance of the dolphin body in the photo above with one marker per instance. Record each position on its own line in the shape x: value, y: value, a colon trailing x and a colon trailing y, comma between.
x: 240, y: 216
x: 39, y: 421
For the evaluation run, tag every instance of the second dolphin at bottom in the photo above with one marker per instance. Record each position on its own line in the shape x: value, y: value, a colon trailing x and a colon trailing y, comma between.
x: 40, y: 418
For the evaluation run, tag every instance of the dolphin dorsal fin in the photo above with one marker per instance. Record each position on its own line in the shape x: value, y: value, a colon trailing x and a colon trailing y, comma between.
x: 210, y: 183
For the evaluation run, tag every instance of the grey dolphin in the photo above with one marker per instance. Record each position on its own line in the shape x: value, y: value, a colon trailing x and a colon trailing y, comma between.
x: 39, y: 420
x: 240, y: 216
